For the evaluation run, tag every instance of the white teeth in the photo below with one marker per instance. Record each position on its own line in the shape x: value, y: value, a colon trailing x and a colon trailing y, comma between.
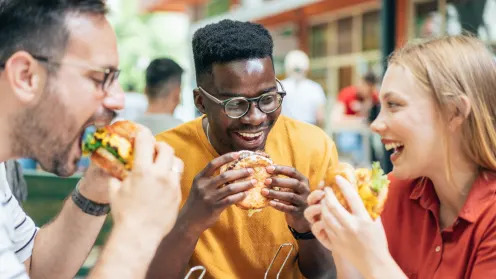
x: 251, y: 135
x: 390, y: 146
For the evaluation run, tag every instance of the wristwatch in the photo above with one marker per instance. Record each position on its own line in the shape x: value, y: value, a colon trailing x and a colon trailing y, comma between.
x: 303, y: 236
x: 88, y: 206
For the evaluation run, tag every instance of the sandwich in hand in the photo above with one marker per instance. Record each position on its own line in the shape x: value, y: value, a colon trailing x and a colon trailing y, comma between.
x: 372, y: 186
x: 111, y: 148
x: 258, y: 161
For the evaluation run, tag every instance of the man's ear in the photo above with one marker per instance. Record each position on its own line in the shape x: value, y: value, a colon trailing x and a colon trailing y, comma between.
x: 199, y: 100
x: 26, y: 77
x: 460, y: 113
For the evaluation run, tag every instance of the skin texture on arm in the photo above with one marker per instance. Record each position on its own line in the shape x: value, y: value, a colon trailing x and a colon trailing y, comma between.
x: 201, y: 210
x: 354, y: 237
x: 314, y: 260
x: 141, y: 219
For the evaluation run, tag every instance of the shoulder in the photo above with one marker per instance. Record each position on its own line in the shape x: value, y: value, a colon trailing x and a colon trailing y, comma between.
x: 302, y: 133
x: 305, y: 141
x: 181, y: 135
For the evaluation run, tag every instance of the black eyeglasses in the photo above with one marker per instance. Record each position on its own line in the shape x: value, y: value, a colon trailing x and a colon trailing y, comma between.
x: 109, y: 74
x: 237, y: 107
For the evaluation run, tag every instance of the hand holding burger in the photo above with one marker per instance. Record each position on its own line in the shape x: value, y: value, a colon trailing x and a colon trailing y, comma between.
x: 344, y: 215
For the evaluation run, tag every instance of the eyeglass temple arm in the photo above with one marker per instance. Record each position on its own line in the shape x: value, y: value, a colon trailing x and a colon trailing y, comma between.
x: 210, y: 96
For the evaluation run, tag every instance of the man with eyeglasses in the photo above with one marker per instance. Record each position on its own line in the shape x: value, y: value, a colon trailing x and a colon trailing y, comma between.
x: 58, y: 75
x: 240, y: 97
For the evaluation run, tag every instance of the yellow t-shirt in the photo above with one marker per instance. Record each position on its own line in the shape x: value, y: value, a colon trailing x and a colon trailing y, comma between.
x: 238, y: 246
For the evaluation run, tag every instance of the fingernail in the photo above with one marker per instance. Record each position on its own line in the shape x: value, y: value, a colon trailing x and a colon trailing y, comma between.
x: 253, y: 181
x: 265, y: 192
x: 270, y: 168
x: 250, y: 171
x: 268, y: 181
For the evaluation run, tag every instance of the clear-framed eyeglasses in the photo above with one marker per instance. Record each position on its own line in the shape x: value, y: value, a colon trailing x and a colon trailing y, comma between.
x: 237, y: 107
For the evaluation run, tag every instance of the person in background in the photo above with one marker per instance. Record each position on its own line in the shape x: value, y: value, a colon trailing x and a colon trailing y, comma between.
x: 349, y: 120
x: 58, y: 75
x: 163, y: 90
x: 305, y: 99
x: 357, y: 100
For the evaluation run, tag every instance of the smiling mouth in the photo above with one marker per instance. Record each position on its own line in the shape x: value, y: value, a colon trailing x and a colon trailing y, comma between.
x: 249, y: 136
x: 396, y: 147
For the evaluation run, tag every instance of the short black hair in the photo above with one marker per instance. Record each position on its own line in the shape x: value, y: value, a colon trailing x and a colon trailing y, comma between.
x: 370, y: 78
x: 161, y: 73
x: 228, y: 41
x: 39, y: 26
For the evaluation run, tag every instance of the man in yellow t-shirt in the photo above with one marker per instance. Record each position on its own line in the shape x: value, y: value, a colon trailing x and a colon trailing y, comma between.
x: 241, y: 98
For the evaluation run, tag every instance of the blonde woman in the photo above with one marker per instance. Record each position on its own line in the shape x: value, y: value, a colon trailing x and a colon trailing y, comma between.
x: 438, y: 111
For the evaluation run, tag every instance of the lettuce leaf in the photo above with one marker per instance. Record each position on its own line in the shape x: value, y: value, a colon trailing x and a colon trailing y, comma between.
x: 379, y: 179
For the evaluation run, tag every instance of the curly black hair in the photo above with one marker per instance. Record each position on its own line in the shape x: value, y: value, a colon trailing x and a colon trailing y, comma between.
x: 227, y: 41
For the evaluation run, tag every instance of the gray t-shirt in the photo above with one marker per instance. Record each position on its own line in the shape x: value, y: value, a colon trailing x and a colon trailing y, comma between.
x: 158, y: 123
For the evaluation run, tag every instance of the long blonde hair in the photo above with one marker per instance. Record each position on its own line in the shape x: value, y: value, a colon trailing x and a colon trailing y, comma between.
x: 455, y: 66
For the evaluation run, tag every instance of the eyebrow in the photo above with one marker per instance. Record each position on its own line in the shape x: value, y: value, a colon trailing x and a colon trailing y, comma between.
x: 389, y: 94
x: 232, y: 94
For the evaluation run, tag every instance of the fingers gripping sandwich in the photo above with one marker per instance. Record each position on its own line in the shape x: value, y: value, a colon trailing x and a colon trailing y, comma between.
x: 111, y: 148
x: 258, y: 161
x: 372, y: 186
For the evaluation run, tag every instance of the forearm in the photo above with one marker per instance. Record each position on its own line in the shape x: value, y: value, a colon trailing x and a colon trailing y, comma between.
x: 314, y: 260
x: 385, y: 267
x: 175, y: 251
x: 62, y: 246
x: 127, y: 254
x: 345, y: 269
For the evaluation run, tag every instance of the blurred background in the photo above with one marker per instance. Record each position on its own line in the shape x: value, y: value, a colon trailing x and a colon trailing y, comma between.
x: 345, y: 44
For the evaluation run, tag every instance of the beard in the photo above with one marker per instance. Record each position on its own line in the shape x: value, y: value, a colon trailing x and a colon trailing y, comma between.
x: 47, y: 132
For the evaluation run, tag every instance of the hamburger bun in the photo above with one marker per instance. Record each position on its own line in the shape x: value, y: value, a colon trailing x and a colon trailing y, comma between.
x: 258, y: 161
x: 372, y: 186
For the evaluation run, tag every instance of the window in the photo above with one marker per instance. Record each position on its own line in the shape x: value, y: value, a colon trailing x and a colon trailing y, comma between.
x: 345, y: 77
x: 318, y: 40
x: 345, y: 39
x: 371, y: 30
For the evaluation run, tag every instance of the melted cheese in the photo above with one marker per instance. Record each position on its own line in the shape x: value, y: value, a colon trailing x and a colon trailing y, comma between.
x: 122, y: 145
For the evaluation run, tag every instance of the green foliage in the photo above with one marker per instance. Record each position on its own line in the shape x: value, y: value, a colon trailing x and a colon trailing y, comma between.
x: 143, y: 37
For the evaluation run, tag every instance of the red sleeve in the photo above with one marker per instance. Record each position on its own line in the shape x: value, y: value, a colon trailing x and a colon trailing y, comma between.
x: 346, y: 96
x: 485, y: 262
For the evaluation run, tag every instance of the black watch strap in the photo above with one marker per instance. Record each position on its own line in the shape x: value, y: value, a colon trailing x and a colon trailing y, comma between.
x: 303, y: 236
x: 88, y: 206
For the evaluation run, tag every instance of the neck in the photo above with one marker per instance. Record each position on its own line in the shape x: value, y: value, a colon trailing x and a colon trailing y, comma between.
x: 166, y: 106
x: 453, y: 191
x: 208, y: 132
